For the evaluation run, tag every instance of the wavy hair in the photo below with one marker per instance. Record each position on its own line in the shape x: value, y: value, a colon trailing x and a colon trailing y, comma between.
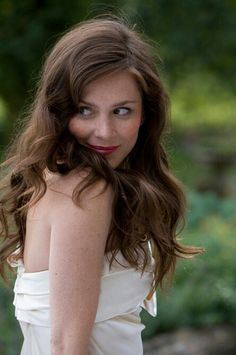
x: 149, y: 202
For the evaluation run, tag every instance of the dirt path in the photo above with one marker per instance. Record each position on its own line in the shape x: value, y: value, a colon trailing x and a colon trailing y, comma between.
x: 217, y: 340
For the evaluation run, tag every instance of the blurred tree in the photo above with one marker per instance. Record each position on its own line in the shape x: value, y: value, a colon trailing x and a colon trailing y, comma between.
x: 193, y: 35
x: 26, y: 29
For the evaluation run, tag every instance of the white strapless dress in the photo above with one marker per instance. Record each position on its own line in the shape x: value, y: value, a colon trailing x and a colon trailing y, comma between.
x: 117, y: 327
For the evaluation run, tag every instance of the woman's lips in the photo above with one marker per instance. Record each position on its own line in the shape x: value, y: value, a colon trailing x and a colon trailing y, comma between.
x: 102, y: 149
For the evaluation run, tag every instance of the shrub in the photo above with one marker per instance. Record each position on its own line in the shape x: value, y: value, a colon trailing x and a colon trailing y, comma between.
x: 203, y: 292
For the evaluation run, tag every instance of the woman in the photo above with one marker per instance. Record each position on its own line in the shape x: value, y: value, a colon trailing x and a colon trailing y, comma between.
x: 95, y: 206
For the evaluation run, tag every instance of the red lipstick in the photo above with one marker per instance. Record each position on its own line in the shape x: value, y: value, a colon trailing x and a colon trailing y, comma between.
x: 103, y: 150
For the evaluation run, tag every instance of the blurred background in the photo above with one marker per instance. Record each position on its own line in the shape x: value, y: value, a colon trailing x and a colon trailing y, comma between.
x: 197, y: 43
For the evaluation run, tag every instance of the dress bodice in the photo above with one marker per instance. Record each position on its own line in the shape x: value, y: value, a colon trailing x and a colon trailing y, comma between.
x: 122, y: 289
x: 117, y: 326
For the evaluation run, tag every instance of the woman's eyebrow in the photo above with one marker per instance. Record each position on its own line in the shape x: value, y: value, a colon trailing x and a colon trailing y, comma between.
x: 117, y: 104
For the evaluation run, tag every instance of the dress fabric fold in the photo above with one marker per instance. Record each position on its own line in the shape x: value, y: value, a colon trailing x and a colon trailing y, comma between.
x: 117, y: 327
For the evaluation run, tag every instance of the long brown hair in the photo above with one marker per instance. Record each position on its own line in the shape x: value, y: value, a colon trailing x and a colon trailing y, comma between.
x: 149, y: 203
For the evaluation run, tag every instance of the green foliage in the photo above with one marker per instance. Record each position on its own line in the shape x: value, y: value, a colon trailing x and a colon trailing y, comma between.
x: 193, y: 35
x: 200, y: 100
x: 27, y: 30
x: 3, y: 124
x: 204, y: 288
x: 11, y: 337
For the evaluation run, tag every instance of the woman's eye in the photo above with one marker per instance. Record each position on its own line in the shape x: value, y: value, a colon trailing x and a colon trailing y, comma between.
x: 84, y: 111
x: 122, y: 111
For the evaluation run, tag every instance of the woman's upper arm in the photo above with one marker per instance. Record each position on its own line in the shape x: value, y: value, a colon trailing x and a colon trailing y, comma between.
x: 77, y: 245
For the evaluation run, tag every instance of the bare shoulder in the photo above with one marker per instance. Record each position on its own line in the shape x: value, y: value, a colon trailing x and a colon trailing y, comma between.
x: 61, y: 187
x: 60, y: 196
x: 58, y: 201
x: 63, y: 184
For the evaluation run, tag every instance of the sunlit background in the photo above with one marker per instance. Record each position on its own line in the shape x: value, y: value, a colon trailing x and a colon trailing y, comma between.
x: 196, y: 40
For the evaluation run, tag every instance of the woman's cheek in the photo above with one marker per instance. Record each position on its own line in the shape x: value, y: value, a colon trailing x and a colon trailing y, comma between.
x: 77, y: 129
x: 132, y: 129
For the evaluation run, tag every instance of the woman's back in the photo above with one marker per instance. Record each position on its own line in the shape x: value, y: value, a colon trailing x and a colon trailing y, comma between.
x: 38, y: 227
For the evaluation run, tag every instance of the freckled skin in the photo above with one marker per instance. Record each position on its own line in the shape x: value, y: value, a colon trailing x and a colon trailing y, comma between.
x: 102, y: 122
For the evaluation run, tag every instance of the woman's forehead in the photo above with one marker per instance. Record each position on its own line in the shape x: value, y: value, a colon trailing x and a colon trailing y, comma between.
x: 119, y: 86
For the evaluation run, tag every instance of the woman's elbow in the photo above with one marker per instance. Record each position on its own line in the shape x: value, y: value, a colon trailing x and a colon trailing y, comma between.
x: 67, y: 347
x: 56, y: 347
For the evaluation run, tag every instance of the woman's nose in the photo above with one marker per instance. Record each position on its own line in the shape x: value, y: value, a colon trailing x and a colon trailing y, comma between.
x: 104, y: 127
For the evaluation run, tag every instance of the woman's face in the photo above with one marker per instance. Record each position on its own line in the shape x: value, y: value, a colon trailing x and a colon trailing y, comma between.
x: 110, y: 114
